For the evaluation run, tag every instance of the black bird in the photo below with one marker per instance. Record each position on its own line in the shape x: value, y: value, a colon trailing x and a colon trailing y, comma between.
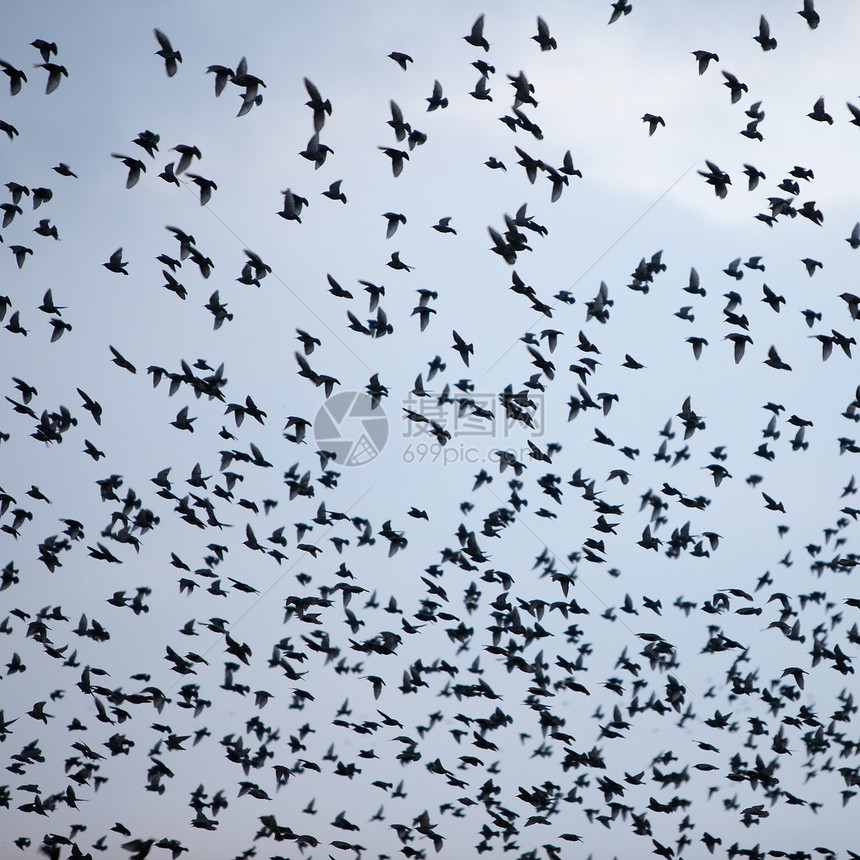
x: 819, y: 114
x: 619, y: 8
x: 223, y: 74
x: 716, y: 177
x: 321, y: 107
x: 465, y: 349
x: 703, y: 58
x: 45, y: 48
x: 543, y: 38
x: 476, y: 36
x: 397, y: 156
x: 767, y: 42
x: 401, y: 59
x: 55, y: 74
x: 16, y: 77
x: 171, y: 57
x: 334, y: 192
x: 653, y: 121
x: 808, y: 13
x: 436, y: 99
x: 135, y: 168
x: 735, y: 87
x: 115, y: 264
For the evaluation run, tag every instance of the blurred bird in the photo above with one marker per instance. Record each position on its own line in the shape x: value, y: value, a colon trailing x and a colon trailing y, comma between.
x: 476, y: 36
x: 171, y: 57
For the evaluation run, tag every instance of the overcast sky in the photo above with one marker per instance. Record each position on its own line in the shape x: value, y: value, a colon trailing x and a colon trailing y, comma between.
x: 638, y: 195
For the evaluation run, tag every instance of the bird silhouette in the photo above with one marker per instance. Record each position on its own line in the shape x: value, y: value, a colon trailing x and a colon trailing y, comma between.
x: 166, y: 52
x: 476, y: 36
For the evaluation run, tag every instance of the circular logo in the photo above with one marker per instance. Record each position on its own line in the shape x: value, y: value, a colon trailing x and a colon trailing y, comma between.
x: 349, y: 425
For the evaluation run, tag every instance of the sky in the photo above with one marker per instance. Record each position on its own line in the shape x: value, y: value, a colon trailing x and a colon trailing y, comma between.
x: 251, y: 520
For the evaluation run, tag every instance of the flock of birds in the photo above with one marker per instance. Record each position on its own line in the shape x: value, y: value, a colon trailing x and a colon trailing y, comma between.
x: 511, y: 679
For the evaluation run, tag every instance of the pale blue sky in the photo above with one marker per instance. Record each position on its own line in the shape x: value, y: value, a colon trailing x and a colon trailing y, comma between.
x: 638, y: 195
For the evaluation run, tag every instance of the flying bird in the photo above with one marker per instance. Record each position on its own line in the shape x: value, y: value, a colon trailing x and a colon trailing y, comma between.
x: 808, y: 13
x: 171, y: 57
x: 476, y: 36
x: 819, y: 114
x: 401, y: 59
x: 115, y: 264
x: 703, y: 59
x: 619, y: 8
x: 653, y: 121
x: 543, y: 38
x: 767, y: 42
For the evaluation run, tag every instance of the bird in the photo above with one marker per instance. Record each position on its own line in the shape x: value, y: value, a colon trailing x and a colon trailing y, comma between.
x: 45, y: 48
x: 121, y: 361
x: 443, y: 226
x: 397, y: 156
x: 48, y: 305
x: 92, y: 406
x: 818, y: 113
x: 698, y: 343
x: 165, y: 51
x: 394, y: 219
x: 396, y: 263
x: 334, y: 192
x: 115, y: 264
x: 463, y: 348
x: 20, y: 252
x: 135, y: 168
x: 773, y: 360
x: 187, y: 153
x: 436, y: 99
x: 752, y: 132
x: 182, y: 421
x: 736, y: 88
x: 320, y: 107
x: 811, y: 265
x: 482, y: 90
x: 703, y: 59
x: 772, y: 504
x: 653, y: 121
x: 543, y: 38
x: 808, y: 13
x: 740, y: 341
x: 47, y: 229
x: 716, y: 177
x: 401, y: 59
x: 619, y: 8
x: 223, y: 74
x: 206, y: 186
x: 767, y: 42
x: 476, y: 35
x: 754, y: 175
x: 55, y: 74
x: 16, y: 77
